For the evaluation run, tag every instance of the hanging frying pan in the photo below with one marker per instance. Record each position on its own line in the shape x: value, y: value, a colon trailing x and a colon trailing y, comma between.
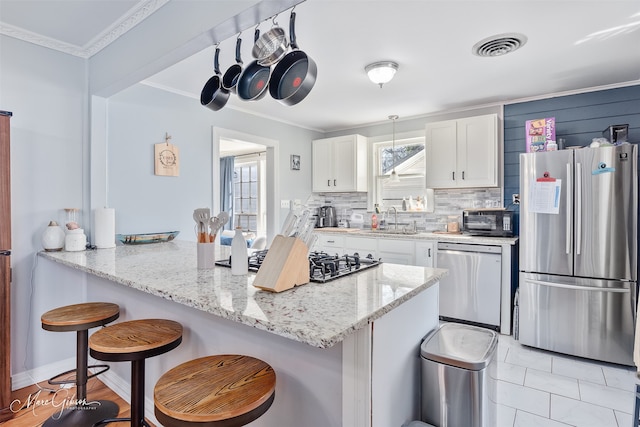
x: 254, y: 80
x: 294, y: 76
x: 230, y: 78
x: 213, y: 95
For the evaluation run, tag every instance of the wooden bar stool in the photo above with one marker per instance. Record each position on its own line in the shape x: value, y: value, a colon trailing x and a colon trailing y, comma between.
x: 81, y: 318
x: 135, y: 341
x: 215, y: 391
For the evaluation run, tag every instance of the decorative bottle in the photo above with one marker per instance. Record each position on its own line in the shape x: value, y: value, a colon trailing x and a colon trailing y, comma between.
x: 239, y: 254
x: 53, y: 237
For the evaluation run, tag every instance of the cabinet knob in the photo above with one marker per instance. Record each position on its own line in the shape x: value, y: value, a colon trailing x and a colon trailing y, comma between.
x: 453, y: 176
x: 334, y: 182
x: 328, y: 183
x: 462, y: 174
x: 429, y: 253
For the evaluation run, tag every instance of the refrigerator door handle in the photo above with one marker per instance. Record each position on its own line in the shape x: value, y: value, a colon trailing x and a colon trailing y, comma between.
x: 568, y: 239
x: 578, y: 207
x: 577, y: 287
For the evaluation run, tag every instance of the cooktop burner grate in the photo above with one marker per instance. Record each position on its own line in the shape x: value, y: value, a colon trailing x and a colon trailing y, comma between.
x: 323, y: 267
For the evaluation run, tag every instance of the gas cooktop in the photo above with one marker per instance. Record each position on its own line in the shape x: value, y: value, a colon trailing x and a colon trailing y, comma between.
x: 323, y: 267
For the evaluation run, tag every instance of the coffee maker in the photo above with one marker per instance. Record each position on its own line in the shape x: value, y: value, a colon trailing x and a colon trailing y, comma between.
x: 327, y: 217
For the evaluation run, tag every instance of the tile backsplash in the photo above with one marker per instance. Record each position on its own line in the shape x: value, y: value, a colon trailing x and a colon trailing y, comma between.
x: 447, y: 202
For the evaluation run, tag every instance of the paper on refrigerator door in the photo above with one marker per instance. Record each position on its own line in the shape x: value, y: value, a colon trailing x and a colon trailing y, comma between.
x: 545, y: 197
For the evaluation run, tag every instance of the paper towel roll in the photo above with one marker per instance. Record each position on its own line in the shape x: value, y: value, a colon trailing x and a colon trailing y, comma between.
x: 105, y: 228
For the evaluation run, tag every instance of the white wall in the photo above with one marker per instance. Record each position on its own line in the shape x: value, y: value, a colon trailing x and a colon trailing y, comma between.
x: 46, y: 92
x: 140, y: 116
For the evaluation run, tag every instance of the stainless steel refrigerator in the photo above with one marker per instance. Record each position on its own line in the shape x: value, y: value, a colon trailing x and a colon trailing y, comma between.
x: 578, y: 251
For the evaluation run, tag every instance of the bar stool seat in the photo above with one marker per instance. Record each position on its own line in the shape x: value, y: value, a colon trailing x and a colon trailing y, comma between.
x: 135, y: 341
x: 81, y: 318
x: 215, y: 391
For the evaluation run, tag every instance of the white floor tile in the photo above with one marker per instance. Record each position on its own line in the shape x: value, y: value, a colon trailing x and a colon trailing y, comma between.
x: 609, y: 397
x: 511, y: 373
x: 529, y: 358
x: 556, y: 384
x: 574, y: 368
x: 622, y: 378
x: 624, y: 420
x: 525, y: 419
x: 503, y: 349
x: 581, y: 414
x: 506, y: 416
x: 527, y: 399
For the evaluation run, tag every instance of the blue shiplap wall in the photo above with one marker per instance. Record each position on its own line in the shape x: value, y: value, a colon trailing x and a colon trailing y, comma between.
x: 579, y: 118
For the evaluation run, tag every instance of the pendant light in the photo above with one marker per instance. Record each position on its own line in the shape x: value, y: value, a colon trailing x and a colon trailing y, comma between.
x: 394, y: 176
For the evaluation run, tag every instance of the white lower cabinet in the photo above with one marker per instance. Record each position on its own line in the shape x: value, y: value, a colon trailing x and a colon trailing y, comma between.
x: 396, y: 251
x: 329, y: 243
x: 426, y: 254
x: 363, y: 245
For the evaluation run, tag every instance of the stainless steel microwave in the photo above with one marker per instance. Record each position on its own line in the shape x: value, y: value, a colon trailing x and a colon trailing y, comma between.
x: 487, y: 222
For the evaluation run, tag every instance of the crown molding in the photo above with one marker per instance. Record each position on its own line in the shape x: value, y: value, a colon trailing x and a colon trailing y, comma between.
x: 133, y: 17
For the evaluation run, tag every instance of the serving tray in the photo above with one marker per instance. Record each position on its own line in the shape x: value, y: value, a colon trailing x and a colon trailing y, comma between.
x: 141, y: 239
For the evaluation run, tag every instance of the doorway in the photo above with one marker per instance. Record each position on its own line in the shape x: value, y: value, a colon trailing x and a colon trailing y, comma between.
x: 228, y: 142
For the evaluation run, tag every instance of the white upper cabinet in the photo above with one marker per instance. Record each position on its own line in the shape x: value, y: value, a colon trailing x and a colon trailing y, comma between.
x: 463, y: 152
x: 339, y: 164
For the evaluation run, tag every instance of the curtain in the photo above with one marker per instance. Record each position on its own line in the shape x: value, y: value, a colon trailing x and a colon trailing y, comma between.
x: 227, y: 165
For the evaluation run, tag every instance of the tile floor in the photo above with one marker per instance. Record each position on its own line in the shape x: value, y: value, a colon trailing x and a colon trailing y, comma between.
x: 537, y: 388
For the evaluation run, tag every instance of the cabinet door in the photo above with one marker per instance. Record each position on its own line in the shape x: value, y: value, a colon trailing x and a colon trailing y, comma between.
x: 477, y: 151
x: 330, y: 244
x: 425, y: 254
x: 344, y: 163
x: 396, y: 251
x: 363, y: 245
x: 440, y: 146
x: 322, y: 170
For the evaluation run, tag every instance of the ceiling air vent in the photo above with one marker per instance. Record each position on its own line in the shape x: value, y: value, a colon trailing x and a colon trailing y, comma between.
x: 499, y: 45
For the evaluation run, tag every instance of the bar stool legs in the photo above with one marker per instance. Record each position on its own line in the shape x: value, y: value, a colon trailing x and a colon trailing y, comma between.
x: 135, y: 341
x: 80, y: 318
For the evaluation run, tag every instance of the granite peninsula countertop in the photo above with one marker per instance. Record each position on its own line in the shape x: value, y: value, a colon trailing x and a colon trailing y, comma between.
x: 317, y: 314
x: 433, y: 236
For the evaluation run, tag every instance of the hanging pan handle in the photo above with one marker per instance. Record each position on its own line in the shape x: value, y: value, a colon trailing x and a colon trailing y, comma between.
x: 238, y: 44
x: 292, y: 30
x: 216, y: 64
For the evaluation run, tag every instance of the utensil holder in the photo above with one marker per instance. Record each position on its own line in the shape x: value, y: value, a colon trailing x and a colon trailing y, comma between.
x: 206, y: 256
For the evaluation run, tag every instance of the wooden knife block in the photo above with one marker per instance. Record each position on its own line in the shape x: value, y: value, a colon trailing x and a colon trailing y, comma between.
x: 286, y: 265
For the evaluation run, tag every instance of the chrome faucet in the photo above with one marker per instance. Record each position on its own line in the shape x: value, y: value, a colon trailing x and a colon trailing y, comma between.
x: 395, y: 219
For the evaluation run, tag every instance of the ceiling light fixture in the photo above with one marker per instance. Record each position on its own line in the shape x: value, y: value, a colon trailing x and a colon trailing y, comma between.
x: 394, y: 176
x: 381, y: 72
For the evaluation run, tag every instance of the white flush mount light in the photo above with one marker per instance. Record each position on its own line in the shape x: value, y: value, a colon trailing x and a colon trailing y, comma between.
x: 381, y: 72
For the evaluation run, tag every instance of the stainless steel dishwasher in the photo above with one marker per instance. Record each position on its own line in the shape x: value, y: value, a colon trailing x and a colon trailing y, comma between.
x: 471, y: 291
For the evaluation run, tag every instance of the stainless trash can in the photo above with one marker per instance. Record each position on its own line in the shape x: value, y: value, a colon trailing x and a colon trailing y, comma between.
x: 416, y: 424
x: 459, y: 376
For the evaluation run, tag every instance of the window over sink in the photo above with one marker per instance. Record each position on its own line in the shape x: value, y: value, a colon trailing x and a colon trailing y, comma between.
x: 408, y: 158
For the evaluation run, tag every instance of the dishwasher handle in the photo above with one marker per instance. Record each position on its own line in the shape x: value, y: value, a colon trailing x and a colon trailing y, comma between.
x: 464, y: 247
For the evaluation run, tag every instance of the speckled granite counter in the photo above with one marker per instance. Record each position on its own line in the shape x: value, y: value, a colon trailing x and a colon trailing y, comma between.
x: 318, y: 314
x: 440, y: 237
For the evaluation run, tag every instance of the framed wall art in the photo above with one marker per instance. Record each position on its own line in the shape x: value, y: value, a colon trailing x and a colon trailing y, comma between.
x: 295, y: 162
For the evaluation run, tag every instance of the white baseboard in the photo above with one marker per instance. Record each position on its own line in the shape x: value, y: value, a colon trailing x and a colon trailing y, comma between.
x: 42, y: 373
